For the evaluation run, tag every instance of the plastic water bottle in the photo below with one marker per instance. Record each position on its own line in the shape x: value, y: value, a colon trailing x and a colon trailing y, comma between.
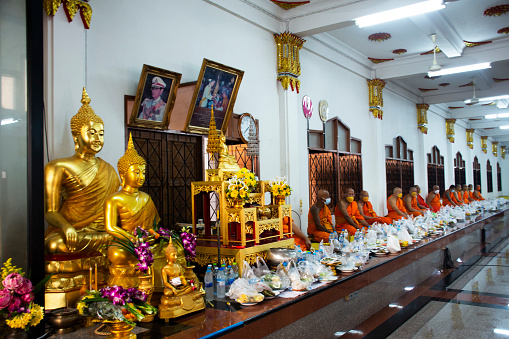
x: 299, y: 254
x: 214, y: 275
x: 209, y: 285
x: 229, y: 278
x: 221, y: 283
x: 235, y: 269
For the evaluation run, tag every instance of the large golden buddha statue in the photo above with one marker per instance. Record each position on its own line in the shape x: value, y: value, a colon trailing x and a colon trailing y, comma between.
x: 75, y: 190
x: 124, y: 211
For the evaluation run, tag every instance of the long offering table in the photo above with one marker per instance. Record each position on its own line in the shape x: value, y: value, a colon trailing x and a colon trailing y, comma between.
x: 344, y: 303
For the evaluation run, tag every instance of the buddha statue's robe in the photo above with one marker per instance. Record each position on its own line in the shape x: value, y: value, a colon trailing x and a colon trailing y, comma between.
x: 83, y: 207
x: 413, y: 203
x: 353, y: 212
x: 325, y: 219
x: 298, y: 241
x: 144, y: 218
x: 466, y: 198
x: 367, y: 209
x: 422, y: 202
x: 435, y: 203
x: 393, y: 215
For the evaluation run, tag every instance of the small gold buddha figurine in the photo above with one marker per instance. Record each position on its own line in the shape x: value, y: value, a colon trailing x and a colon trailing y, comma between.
x: 226, y: 161
x: 179, y: 296
x: 123, y: 212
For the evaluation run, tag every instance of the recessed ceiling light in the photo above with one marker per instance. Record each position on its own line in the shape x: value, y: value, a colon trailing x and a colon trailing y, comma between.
x: 503, y: 115
x: 399, y: 13
x: 490, y: 116
x: 460, y: 69
x: 409, y: 288
x: 504, y: 127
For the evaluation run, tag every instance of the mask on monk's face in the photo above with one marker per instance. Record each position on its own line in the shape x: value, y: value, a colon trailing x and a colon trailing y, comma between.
x: 365, y: 199
x: 327, y: 201
x: 452, y: 191
x: 349, y: 199
x: 400, y: 195
x: 414, y: 194
x: 437, y: 191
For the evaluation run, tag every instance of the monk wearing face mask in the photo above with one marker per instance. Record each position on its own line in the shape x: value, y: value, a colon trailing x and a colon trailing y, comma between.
x: 449, y: 199
x: 320, y: 218
x: 366, y: 210
x: 410, y: 201
x: 395, y: 205
x: 347, y: 214
x: 433, y: 199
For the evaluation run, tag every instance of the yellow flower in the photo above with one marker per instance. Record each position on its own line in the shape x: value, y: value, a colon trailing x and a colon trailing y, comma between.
x: 37, y: 314
x: 234, y: 194
x: 242, y: 194
x: 19, y: 321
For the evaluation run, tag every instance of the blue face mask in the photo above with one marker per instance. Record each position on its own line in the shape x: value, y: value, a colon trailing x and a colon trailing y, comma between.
x: 327, y: 201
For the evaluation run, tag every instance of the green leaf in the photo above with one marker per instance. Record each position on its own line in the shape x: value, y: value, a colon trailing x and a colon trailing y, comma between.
x: 40, y: 285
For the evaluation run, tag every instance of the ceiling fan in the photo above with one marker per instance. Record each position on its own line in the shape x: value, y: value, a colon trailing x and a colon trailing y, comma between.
x: 435, y: 66
x: 474, y: 99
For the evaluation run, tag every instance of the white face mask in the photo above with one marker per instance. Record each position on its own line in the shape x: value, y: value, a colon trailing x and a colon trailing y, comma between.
x: 437, y: 191
x: 327, y: 201
x: 452, y: 191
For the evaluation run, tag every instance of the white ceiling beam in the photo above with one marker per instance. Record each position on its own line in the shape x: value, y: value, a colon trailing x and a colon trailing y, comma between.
x: 464, y: 95
x: 501, y: 139
x: 339, y: 15
x: 475, y: 111
x: 496, y: 132
x: 448, y: 40
x: 490, y: 124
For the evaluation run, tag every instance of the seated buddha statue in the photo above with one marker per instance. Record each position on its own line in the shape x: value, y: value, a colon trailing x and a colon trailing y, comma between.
x: 181, y: 294
x: 226, y: 161
x: 123, y: 212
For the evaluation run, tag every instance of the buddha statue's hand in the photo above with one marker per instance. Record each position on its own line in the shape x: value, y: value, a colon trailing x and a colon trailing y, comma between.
x: 71, y: 237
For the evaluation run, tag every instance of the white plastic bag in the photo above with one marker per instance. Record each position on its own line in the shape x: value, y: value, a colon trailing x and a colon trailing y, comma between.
x: 248, y: 274
x: 371, y: 237
x: 261, y: 267
x: 393, y: 244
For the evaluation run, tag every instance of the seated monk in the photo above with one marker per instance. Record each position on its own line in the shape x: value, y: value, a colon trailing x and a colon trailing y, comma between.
x: 347, y: 214
x: 76, y: 188
x: 449, y: 199
x: 458, y: 195
x: 433, y: 199
x: 300, y: 238
x: 471, y: 195
x: 366, y: 211
x: 477, y: 193
x: 410, y: 201
x: 466, y: 197
x: 395, y: 205
x: 420, y: 200
x: 320, y: 218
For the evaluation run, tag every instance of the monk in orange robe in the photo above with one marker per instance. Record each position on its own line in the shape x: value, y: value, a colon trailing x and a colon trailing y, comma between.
x: 395, y: 205
x: 320, y: 218
x: 347, y: 214
x: 433, y: 199
x: 466, y: 197
x: 477, y: 192
x: 471, y: 195
x: 449, y: 199
x: 410, y: 202
x: 366, y: 210
x: 458, y: 195
x: 420, y: 201
x: 300, y: 238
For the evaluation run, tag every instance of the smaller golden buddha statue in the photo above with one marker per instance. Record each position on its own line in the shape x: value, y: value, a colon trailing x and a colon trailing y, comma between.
x: 179, y: 295
x: 226, y: 161
x: 123, y: 212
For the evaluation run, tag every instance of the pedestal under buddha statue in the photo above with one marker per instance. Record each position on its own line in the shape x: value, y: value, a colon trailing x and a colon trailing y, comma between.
x: 124, y: 211
x: 180, y: 297
x: 75, y: 190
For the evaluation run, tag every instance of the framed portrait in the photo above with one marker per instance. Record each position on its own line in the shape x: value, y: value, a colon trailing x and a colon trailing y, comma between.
x: 217, y: 87
x: 155, y: 98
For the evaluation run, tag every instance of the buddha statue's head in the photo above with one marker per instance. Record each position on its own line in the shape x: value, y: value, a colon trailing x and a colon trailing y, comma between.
x: 87, y: 128
x: 131, y: 167
x: 171, y: 252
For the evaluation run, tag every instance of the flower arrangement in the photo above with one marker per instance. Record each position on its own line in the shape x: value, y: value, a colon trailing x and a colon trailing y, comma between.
x: 185, y: 240
x: 17, y: 308
x: 279, y: 187
x: 115, y: 303
x: 241, y: 184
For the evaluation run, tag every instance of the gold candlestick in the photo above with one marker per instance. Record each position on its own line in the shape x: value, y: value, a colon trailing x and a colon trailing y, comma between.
x: 95, y: 276
x: 90, y: 276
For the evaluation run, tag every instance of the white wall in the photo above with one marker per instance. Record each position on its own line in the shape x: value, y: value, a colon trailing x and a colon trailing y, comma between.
x: 108, y: 58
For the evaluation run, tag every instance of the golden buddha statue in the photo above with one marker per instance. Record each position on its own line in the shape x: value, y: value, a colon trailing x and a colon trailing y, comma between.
x: 75, y: 190
x: 179, y: 295
x: 123, y: 212
x: 226, y: 161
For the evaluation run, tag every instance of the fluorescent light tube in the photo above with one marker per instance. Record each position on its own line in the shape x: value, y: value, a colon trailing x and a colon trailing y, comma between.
x: 500, y: 97
x: 501, y: 331
x: 504, y: 127
x: 460, y: 69
x: 503, y: 115
x: 490, y: 116
x: 399, y: 13
x: 8, y: 121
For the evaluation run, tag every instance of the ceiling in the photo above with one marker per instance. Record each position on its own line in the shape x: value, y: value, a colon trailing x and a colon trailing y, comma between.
x: 460, y: 21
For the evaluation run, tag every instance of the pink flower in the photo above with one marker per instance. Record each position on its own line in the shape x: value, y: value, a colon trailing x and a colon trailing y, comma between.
x: 15, y: 304
x: 25, y: 288
x: 28, y: 298
x: 13, y: 281
x: 5, y: 298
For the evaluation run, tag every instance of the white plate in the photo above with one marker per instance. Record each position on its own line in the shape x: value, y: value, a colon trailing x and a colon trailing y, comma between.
x: 329, y: 279
x: 248, y: 304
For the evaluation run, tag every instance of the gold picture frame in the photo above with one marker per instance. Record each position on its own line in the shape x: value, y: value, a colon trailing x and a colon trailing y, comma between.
x: 155, y: 98
x: 217, y: 85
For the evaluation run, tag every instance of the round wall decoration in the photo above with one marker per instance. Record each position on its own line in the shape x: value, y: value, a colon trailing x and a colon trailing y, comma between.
x: 324, y: 110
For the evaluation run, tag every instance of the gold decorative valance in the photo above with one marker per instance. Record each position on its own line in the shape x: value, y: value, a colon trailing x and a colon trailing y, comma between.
x: 376, y: 101
x: 494, y: 148
x: 288, y: 63
x: 484, y: 144
x: 71, y: 7
x: 502, y: 152
x: 470, y: 138
x: 422, y: 118
x: 449, y: 127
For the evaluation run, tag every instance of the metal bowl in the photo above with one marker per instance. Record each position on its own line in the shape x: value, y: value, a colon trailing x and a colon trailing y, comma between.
x: 64, y: 320
x: 275, y: 256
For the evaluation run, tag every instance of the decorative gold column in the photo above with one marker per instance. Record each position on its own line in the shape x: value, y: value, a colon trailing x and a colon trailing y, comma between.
x: 449, y: 127
x: 376, y: 100
x: 494, y: 146
x: 71, y: 7
x: 502, y: 152
x: 422, y: 118
x: 288, y: 63
x: 484, y: 144
x: 470, y: 138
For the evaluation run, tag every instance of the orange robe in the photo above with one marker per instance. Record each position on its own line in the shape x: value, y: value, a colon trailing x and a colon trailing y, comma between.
x: 353, y: 212
x: 298, y: 241
x: 480, y: 196
x: 325, y: 219
x: 459, y: 200
x: 367, y: 209
x: 421, y: 201
x: 466, y: 199
x: 435, y: 203
x: 392, y: 213
x: 413, y: 203
x: 447, y: 202
x: 472, y: 196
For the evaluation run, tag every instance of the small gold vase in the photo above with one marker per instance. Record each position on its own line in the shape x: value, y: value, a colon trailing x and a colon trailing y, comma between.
x: 146, y: 285
x: 238, y: 203
x: 121, y: 330
x: 280, y: 199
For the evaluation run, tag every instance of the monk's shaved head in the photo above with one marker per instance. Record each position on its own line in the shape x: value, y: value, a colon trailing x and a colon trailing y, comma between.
x: 397, y: 190
x: 349, y: 192
x: 436, y: 188
x: 324, y: 194
x: 412, y: 189
x: 364, y: 194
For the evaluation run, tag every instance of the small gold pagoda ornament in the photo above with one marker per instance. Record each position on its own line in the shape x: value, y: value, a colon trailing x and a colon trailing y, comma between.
x: 213, y: 143
x: 470, y: 138
x: 484, y: 144
x: 71, y: 7
x: 494, y: 148
x: 502, y: 152
x: 376, y: 101
x: 422, y: 118
x: 449, y: 129
x: 288, y: 63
